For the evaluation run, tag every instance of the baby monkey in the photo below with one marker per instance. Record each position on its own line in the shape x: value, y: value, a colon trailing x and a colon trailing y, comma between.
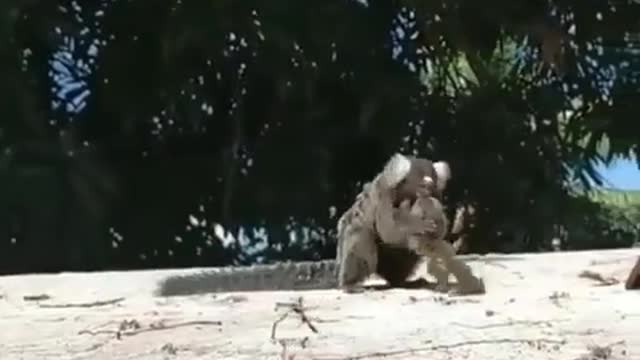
x: 418, y: 214
x: 441, y: 254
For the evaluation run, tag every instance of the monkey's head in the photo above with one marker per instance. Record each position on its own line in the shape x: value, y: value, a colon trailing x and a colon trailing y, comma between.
x: 425, y: 178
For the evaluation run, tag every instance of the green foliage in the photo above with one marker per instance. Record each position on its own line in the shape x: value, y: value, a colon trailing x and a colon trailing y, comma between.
x: 624, y: 210
x: 603, y: 218
x: 623, y: 199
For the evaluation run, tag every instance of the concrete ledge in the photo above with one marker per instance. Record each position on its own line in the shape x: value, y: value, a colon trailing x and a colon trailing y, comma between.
x: 558, y: 306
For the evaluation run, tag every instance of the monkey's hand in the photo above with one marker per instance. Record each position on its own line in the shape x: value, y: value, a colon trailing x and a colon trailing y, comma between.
x: 430, y: 227
x: 413, y: 224
x: 392, y: 224
x: 396, y: 225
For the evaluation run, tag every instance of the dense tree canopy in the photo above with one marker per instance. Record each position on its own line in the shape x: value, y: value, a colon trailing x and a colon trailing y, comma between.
x: 175, y: 133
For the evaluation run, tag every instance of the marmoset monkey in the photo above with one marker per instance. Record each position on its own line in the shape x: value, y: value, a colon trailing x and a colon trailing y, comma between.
x: 441, y: 254
x: 373, y: 232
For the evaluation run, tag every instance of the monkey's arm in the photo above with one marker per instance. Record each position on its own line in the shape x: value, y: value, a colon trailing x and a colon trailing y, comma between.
x: 395, y: 225
x: 391, y: 223
x: 304, y: 275
x: 434, y: 215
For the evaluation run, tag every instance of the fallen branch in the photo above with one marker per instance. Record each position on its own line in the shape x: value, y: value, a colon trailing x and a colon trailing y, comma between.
x: 83, y: 305
x: 297, y: 308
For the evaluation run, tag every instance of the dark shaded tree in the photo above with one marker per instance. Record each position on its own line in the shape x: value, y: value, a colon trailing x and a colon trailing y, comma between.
x: 138, y: 130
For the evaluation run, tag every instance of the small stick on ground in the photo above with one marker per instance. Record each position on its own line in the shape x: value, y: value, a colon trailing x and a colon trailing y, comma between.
x: 297, y: 308
x: 132, y: 327
x: 82, y: 305
x: 39, y: 297
x: 602, y: 281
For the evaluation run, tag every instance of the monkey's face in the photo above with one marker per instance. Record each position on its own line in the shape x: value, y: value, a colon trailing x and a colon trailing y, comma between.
x: 416, y: 184
x: 424, y: 179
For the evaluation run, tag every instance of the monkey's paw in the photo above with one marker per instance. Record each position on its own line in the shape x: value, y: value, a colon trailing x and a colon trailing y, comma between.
x: 353, y: 289
x: 475, y: 287
x: 441, y: 288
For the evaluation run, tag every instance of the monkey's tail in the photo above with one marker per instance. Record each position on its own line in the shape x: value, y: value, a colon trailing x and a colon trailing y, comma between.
x: 305, y: 275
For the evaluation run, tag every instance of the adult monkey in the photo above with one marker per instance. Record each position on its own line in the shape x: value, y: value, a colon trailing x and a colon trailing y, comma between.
x: 419, y: 196
x: 373, y: 232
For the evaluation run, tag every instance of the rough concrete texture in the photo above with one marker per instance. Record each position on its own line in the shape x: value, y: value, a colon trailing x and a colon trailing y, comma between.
x: 538, y: 306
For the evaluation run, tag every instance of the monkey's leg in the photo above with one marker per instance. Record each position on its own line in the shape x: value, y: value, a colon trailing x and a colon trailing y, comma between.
x: 358, y: 260
x: 396, y: 264
x: 436, y: 268
x: 424, y: 245
x: 467, y: 282
x: 435, y: 264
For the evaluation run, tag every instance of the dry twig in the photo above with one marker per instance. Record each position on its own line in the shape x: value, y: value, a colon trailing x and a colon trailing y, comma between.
x: 132, y: 327
x: 39, y: 297
x: 297, y: 308
x: 602, y: 281
x: 83, y: 305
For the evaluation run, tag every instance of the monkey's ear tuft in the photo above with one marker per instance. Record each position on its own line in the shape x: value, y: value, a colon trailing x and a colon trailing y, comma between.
x: 444, y: 173
x: 395, y: 170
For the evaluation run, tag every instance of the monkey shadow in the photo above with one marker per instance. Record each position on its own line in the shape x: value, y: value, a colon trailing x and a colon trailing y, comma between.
x: 417, y: 284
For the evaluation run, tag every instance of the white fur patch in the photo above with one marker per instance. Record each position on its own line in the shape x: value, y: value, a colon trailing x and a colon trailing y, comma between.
x: 396, y: 170
x: 444, y: 173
